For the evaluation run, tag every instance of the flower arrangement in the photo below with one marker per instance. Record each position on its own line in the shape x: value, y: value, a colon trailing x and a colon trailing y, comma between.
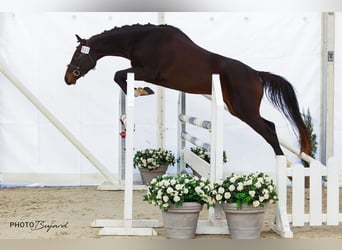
x: 253, y: 190
x: 167, y: 190
x: 205, y: 155
x: 153, y: 158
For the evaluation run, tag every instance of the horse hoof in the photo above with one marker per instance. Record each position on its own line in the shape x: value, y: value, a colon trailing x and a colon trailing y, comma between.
x: 143, y: 91
x: 148, y: 91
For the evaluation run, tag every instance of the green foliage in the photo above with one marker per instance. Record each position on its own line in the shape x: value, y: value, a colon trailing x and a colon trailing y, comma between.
x: 205, y: 155
x: 313, y: 137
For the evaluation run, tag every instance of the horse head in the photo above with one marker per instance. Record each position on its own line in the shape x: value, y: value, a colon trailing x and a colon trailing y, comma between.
x: 82, y: 61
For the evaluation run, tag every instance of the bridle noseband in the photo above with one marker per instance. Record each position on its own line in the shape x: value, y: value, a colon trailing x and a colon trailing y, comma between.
x: 76, y: 70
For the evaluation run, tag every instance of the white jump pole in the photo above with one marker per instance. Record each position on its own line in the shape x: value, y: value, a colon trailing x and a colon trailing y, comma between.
x: 216, y: 169
x: 281, y: 223
x: 128, y: 202
x: 34, y: 100
x: 128, y: 226
x: 296, y: 151
x: 215, y: 223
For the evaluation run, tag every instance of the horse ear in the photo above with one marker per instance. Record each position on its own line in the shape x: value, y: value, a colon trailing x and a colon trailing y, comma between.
x: 80, y: 40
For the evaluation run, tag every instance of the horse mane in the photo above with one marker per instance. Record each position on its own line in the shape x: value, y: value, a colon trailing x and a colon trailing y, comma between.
x: 136, y: 27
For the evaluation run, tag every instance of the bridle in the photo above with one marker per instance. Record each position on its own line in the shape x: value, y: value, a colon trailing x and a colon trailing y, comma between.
x: 76, y: 70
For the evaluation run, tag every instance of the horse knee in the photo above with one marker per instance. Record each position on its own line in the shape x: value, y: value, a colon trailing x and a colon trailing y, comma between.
x: 120, y: 79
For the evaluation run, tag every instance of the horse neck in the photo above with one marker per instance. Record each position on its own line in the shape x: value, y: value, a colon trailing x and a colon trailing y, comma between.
x: 111, y: 45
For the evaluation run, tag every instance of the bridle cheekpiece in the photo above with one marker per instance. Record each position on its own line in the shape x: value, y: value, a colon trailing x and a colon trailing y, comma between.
x: 76, y: 69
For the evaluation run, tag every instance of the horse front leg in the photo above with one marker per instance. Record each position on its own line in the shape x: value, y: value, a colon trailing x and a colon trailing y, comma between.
x: 140, y: 74
x: 120, y: 78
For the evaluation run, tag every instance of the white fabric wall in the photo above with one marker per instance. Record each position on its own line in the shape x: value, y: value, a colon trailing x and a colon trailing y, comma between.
x: 37, y: 47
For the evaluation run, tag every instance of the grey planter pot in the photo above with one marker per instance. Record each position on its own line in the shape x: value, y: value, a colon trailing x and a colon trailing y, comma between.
x: 181, y: 222
x: 147, y: 175
x: 245, y: 223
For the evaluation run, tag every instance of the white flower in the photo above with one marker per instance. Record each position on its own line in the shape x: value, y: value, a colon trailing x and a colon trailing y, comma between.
x: 256, y: 203
x: 231, y: 188
x: 220, y: 182
x: 169, y: 190
x: 249, y: 182
x: 186, y: 180
x: 218, y: 197
x: 166, y: 183
x: 227, y: 195
x: 165, y: 198
x: 266, y: 196
x: 165, y: 205
x: 153, y: 181
x: 179, y: 186
x: 186, y: 191
x: 159, y: 194
x: 220, y: 190
x: 173, y: 182
x: 240, y: 187
x: 176, y: 199
x: 261, y: 198
x: 198, y: 190
x: 251, y: 193
x: 258, y: 185
x: 232, y: 179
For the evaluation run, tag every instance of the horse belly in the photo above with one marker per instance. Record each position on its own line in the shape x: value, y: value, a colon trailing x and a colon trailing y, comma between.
x: 191, y: 75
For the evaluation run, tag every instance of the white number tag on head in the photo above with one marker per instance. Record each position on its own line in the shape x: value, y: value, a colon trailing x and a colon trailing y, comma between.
x: 85, y: 49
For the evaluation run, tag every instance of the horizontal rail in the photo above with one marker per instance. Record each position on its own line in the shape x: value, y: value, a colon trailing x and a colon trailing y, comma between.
x: 194, y: 140
x: 195, y: 121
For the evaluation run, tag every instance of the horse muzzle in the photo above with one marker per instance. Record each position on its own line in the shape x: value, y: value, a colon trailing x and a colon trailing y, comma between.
x: 70, y: 78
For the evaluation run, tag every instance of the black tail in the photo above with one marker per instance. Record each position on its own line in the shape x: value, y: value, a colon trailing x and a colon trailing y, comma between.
x: 281, y: 93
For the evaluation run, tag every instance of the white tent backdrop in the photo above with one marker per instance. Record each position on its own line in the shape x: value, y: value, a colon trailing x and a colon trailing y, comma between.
x: 37, y: 46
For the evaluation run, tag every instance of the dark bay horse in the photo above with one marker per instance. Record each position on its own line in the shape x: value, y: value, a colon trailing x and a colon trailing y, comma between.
x: 165, y: 56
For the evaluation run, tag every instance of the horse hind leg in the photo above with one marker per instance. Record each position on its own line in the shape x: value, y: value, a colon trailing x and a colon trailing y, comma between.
x: 246, y: 106
x: 267, y: 130
x: 272, y: 128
